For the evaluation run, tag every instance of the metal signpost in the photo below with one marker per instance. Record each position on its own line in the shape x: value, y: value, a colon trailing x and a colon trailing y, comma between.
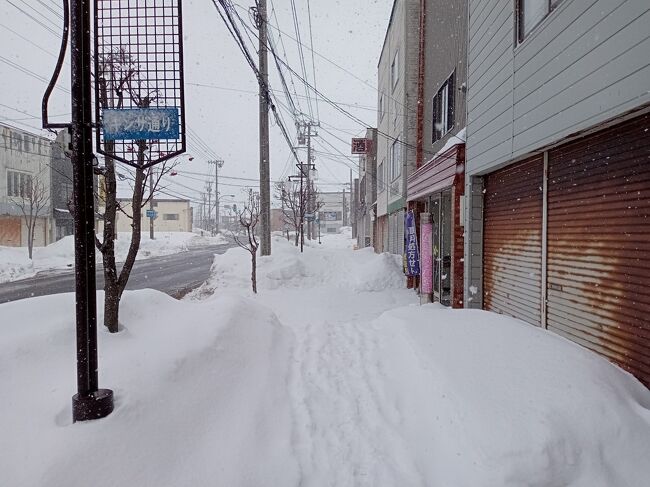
x: 143, y: 110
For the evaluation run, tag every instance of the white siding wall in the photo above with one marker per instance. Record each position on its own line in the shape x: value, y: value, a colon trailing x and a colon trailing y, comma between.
x: 587, y: 62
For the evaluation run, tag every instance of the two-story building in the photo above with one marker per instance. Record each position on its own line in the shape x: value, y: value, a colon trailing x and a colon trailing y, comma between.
x: 366, y: 195
x: 558, y: 170
x: 25, y: 161
x: 333, y: 210
x: 397, y: 122
x: 435, y: 189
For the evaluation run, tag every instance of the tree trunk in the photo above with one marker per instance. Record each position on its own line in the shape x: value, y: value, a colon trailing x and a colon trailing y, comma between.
x: 254, y: 270
x: 30, y: 240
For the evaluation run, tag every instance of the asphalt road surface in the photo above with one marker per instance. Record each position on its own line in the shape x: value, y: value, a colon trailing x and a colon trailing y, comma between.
x: 175, y: 275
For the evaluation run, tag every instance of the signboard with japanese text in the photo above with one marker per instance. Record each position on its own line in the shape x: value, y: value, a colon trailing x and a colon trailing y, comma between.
x: 361, y: 146
x: 139, y: 81
x: 140, y: 123
x: 412, y: 253
x: 330, y: 216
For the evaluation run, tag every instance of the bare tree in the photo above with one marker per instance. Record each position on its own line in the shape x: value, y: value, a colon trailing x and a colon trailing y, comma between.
x: 248, y: 217
x: 293, y: 204
x: 33, y: 198
x: 119, y: 76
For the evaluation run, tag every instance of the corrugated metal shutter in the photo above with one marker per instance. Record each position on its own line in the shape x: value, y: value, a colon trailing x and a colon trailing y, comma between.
x: 512, y: 240
x: 599, y: 244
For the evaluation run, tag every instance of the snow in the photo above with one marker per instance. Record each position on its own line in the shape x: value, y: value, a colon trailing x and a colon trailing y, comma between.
x: 15, y: 263
x: 331, y: 376
x: 459, y: 138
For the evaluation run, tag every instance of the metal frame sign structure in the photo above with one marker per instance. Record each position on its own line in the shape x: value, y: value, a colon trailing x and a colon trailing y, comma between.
x: 139, y: 88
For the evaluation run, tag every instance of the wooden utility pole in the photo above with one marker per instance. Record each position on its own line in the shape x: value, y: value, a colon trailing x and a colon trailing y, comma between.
x: 218, y: 164
x: 265, y: 177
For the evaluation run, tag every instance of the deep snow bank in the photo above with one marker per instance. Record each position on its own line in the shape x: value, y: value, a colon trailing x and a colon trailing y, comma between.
x: 319, y: 266
x: 201, y: 396
x: 15, y: 263
x: 486, y: 400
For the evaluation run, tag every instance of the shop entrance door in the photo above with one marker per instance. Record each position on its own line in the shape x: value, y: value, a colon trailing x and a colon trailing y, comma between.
x: 440, y: 209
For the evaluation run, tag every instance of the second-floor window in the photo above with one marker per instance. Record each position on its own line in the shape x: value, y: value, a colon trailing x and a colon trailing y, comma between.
x: 170, y: 216
x: 531, y: 13
x: 18, y: 183
x: 443, y: 109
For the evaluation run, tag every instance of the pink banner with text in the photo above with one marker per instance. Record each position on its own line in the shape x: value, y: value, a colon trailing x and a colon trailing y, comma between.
x: 426, y: 258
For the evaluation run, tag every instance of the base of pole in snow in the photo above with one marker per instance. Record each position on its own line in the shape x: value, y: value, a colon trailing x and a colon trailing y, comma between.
x: 97, y: 405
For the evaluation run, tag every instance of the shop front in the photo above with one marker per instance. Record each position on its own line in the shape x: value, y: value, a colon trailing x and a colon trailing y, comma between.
x: 435, y: 192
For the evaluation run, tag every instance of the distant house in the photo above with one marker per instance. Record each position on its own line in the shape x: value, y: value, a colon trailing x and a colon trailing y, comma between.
x: 24, y: 158
x: 333, y: 212
x: 172, y: 215
x: 558, y: 170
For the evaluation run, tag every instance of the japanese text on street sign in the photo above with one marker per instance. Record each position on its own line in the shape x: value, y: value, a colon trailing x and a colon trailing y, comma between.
x: 411, y: 245
x: 361, y: 146
x: 140, y: 123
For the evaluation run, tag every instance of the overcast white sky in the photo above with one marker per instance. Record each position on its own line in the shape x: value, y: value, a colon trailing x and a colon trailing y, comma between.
x: 221, y: 91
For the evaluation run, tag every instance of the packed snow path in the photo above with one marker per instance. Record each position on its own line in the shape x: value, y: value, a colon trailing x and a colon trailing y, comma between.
x: 346, y: 434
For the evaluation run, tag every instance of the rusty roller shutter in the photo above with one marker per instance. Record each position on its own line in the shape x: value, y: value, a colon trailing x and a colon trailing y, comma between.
x: 599, y: 244
x: 512, y: 241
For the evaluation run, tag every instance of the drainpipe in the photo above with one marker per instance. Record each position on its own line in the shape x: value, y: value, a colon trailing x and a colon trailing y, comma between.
x: 419, y: 152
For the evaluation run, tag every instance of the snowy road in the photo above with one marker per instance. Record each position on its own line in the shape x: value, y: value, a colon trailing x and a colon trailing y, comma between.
x: 173, y: 274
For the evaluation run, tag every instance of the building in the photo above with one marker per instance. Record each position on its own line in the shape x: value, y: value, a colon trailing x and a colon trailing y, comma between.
x: 333, y: 211
x: 172, y: 215
x: 397, y: 122
x: 25, y: 160
x: 366, y: 196
x: 436, y: 188
x: 558, y: 170
x: 61, y: 186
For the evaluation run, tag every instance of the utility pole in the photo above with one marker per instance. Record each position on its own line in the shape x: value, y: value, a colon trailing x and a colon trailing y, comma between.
x: 310, y: 224
x: 218, y: 164
x: 90, y: 402
x: 151, y: 210
x: 208, y: 188
x: 265, y: 173
x: 345, y: 220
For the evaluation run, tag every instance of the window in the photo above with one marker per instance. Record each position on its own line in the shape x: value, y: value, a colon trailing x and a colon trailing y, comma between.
x: 381, y: 107
x: 170, y: 216
x: 531, y: 13
x: 17, y: 183
x: 394, y: 70
x: 380, y: 176
x: 443, y: 109
x: 395, y: 159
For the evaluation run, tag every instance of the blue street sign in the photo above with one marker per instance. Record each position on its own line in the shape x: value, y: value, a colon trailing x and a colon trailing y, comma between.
x: 140, y: 123
x: 152, y: 213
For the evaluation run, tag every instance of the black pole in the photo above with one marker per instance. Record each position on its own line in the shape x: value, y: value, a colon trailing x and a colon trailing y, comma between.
x: 89, y: 402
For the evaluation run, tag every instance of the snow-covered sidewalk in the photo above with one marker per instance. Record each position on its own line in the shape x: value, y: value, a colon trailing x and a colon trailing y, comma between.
x: 331, y: 376
x: 15, y: 263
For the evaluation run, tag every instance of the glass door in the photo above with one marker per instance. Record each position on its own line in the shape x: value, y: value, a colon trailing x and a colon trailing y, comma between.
x: 434, y: 210
x: 445, y: 248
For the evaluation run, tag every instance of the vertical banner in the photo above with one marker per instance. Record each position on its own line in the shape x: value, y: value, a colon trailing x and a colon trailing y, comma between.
x: 426, y: 254
x: 411, y: 244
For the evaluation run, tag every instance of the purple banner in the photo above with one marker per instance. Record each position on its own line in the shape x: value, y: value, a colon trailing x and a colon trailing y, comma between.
x: 411, y: 245
x: 426, y: 258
